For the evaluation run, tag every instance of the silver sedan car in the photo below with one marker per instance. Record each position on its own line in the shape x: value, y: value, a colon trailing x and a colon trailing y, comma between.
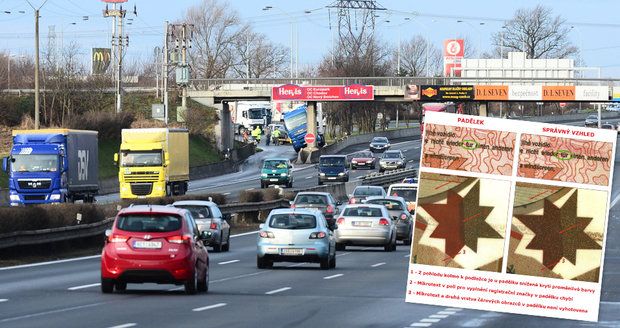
x: 365, y: 225
x: 295, y: 235
x: 209, y: 218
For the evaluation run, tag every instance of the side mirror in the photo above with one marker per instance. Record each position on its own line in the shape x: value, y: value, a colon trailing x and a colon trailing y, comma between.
x: 108, y: 232
x: 290, y: 166
x: 262, y: 225
x: 166, y: 159
x: 290, y: 203
x: 5, y: 164
x: 116, y: 159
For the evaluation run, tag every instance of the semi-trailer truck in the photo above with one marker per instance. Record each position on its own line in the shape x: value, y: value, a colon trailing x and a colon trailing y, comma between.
x: 52, y: 166
x: 153, y: 162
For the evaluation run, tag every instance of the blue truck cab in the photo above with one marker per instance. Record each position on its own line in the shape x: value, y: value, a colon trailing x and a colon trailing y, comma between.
x: 296, y: 123
x: 52, y: 166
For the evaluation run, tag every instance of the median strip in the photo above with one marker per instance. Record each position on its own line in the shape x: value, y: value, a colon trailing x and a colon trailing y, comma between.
x: 228, y: 262
x: 334, y: 276
x: 84, y: 286
x: 277, y: 291
x: 209, y: 307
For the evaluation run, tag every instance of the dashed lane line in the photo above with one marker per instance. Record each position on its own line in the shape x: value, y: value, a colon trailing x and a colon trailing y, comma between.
x: 334, y: 276
x: 421, y: 324
x: 228, y: 262
x: 125, y: 325
x: 39, y: 314
x: 378, y: 264
x: 84, y: 286
x: 434, y: 318
x: 209, y: 307
x: 279, y: 290
x: 2, y: 300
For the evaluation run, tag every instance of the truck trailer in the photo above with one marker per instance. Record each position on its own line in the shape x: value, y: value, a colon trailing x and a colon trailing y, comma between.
x: 52, y: 166
x: 153, y: 162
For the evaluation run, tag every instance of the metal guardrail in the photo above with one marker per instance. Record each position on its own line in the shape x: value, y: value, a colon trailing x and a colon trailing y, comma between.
x: 37, y: 237
x: 389, y: 177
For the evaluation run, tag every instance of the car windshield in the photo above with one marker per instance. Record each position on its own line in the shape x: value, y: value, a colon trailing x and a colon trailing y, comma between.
x: 275, y: 164
x: 379, y: 140
x: 311, y: 199
x: 368, y: 192
x: 363, y: 212
x: 35, y: 163
x: 391, y: 155
x: 198, y: 212
x: 390, y: 204
x: 149, y: 223
x: 408, y: 194
x: 255, y: 113
x: 331, y: 161
x: 141, y: 158
x: 363, y: 154
x: 293, y: 221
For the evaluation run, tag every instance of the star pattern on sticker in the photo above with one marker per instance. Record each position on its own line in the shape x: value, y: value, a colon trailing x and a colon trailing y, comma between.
x: 461, y: 220
x: 559, y: 232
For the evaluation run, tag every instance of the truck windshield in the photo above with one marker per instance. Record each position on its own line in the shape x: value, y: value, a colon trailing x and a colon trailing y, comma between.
x: 141, y: 158
x: 295, y: 121
x: 256, y: 113
x: 35, y: 163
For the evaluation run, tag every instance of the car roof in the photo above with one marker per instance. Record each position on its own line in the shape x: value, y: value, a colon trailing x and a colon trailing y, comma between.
x: 365, y: 205
x: 312, y: 211
x: 333, y: 156
x: 396, y: 198
x: 194, y: 202
x: 313, y: 193
x: 404, y: 185
x: 157, y: 209
x: 392, y: 151
x: 369, y: 187
x: 276, y: 159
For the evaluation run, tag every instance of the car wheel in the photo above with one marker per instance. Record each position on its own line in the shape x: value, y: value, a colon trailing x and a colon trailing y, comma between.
x: 332, y: 263
x: 341, y: 247
x: 203, y: 284
x: 381, y: 170
x: 262, y: 185
x: 190, y: 284
x: 226, y: 247
x: 107, y: 286
x: 263, y: 263
x: 290, y: 184
x: 120, y: 286
x: 218, y: 247
x: 320, y: 182
x: 325, y: 263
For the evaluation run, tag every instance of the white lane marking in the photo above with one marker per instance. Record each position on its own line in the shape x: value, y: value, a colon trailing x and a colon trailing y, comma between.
x: 430, y: 320
x: 416, y: 147
x: 410, y: 161
x: 420, y: 324
x: 209, y: 307
x: 613, y: 203
x: 52, y: 312
x: 343, y: 254
x: 309, y: 177
x: 454, y: 309
x: 226, y: 194
x: 249, y: 189
x: 243, y: 234
x: 125, y: 325
x: 446, y: 312
x: 229, y: 262
x: 84, y: 286
x: 279, y: 290
x: 334, y: 276
x: 440, y: 316
x: 408, y: 255
x: 238, y: 277
x: 50, y: 262
x: 4, y: 300
x: 378, y: 264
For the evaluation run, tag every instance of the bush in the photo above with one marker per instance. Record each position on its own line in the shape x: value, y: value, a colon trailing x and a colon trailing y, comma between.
x: 251, y: 196
x: 108, y: 124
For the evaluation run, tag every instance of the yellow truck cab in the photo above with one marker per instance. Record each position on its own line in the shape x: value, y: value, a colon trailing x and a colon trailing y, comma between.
x: 153, y: 162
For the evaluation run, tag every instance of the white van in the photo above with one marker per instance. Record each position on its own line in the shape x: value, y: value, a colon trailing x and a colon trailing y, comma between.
x: 408, y: 191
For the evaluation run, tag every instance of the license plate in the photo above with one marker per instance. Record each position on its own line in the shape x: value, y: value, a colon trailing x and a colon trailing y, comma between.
x: 147, y: 244
x: 331, y: 178
x: 273, y: 180
x: 361, y: 163
x: 361, y: 223
x: 292, y: 251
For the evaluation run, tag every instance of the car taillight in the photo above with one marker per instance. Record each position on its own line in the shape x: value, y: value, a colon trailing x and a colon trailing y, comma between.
x: 266, y: 234
x: 384, y: 221
x: 185, y: 239
x: 292, y: 205
x: 330, y: 209
x: 352, y: 201
x: 317, y: 235
x: 213, y: 226
x: 340, y: 221
x: 117, y: 239
x: 403, y: 217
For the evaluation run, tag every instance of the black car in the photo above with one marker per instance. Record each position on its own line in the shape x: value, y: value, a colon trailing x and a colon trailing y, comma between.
x: 379, y: 144
x: 321, y: 201
x: 591, y: 121
x: 333, y: 168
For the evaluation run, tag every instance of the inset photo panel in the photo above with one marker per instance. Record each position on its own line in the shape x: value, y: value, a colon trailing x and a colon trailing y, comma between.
x: 460, y: 222
x: 557, y: 232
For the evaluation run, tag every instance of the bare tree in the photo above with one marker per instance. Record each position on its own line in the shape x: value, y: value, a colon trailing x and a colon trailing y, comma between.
x: 537, y: 32
x: 216, y: 30
x: 417, y: 58
x: 260, y: 56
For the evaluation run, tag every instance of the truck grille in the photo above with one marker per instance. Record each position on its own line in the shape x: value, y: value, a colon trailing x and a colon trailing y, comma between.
x: 148, y: 176
x: 34, y: 183
x: 141, y: 189
x: 34, y: 197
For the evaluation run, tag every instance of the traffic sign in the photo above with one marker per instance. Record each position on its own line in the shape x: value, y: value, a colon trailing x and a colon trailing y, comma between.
x: 310, y: 138
x: 562, y: 104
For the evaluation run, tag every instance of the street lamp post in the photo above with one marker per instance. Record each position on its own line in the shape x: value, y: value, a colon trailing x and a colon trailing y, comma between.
x: 293, y: 66
x: 477, y: 31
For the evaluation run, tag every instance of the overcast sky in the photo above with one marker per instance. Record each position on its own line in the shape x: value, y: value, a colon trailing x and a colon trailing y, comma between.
x: 595, y: 32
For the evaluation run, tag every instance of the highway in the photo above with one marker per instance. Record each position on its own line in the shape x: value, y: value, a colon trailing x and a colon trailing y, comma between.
x: 366, y: 289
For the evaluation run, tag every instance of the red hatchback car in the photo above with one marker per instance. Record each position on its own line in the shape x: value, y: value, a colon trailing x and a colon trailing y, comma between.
x: 156, y: 244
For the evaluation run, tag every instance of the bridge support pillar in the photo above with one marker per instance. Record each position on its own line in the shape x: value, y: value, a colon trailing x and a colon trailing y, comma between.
x: 310, y: 154
x: 224, y: 132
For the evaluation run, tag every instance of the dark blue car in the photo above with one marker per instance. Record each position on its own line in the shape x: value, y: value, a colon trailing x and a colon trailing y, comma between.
x: 333, y: 168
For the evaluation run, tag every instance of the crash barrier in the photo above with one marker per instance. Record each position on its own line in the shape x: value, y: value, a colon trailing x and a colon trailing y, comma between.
x: 365, y: 138
x: 567, y: 117
x: 36, y: 237
x: 388, y: 177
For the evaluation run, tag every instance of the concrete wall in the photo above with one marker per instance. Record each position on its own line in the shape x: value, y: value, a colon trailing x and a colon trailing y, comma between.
x: 365, y: 138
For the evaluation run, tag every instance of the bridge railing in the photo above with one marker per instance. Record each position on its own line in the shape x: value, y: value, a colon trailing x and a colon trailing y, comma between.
x: 394, y: 81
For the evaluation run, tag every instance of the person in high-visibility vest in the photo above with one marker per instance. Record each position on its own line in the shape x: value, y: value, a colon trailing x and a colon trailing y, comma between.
x: 276, y: 135
x: 256, y: 133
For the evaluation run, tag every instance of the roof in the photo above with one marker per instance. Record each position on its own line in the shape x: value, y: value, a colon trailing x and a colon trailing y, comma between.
x: 52, y: 131
x: 332, y: 156
x: 313, y: 193
x: 276, y: 159
x: 157, y: 209
x: 369, y: 187
x: 404, y: 185
x: 365, y: 205
x: 396, y: 198
x: 312, y: 211
x: 194, y: 202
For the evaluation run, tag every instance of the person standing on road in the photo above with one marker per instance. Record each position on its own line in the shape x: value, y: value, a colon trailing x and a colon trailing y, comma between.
x: 246, y: 135
x: 256, y: 133
x: 276, y: 136
x: 267, y: 136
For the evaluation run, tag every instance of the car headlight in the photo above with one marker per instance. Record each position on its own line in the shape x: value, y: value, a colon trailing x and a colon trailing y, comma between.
x: 399, y: 162
x: 283, y: 174
x: 322, y: 174
x: 368, y: 161
x: 264, y: 175
x: 341, y: 174
x: 14, y: 197
x: 55, y: 197
x: 353, y: 162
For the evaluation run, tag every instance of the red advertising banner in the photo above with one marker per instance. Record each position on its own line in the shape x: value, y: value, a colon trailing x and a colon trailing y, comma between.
x: 353, y: 92
x: 453, y: 48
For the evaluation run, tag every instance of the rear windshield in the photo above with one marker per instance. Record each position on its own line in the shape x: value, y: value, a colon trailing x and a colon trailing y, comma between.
x: 391, y: 205
x: 197, y: 211
x: 363, y: 211
x: 391, y: 155
x: 368, y: 192
x: 407, y: 194
x: 311, y: 199
x: 293, y: 221
x: 331, y: 161
x: 148, y: 223
x: 275, y: 164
